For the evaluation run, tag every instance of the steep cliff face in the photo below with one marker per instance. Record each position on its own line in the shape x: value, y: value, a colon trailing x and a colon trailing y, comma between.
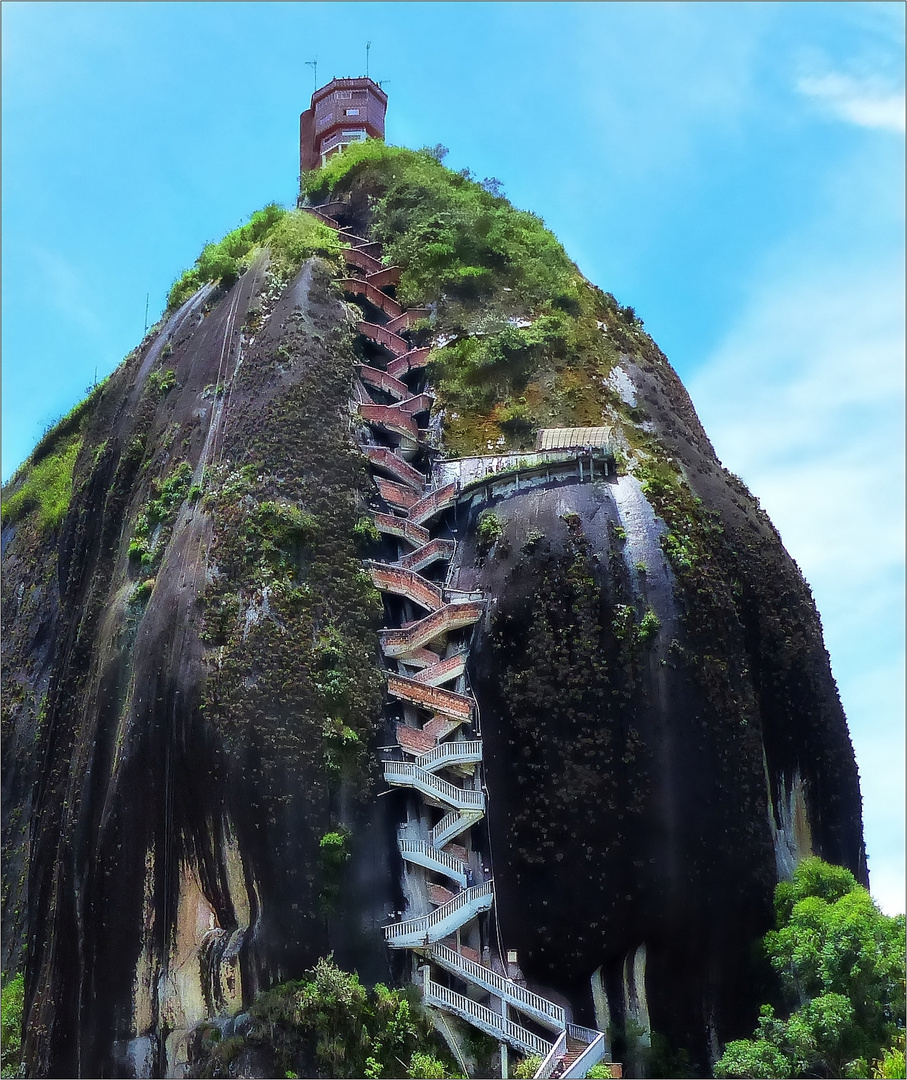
x: 192, y: 675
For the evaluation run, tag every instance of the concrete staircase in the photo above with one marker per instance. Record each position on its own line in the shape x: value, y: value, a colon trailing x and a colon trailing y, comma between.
x: 437, y: 745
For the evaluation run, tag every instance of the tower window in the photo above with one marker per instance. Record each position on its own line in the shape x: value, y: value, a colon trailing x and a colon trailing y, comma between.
x: 351, y: 112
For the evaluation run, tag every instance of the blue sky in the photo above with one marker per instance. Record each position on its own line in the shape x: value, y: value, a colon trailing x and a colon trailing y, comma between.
x: 733, y: 171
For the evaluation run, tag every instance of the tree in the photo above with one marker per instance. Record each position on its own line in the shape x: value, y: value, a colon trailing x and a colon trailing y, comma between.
x: 841, y: 967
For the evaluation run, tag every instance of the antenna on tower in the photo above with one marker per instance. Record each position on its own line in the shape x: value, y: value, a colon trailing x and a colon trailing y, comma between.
x: 368, y: 45
x: 313, y: 64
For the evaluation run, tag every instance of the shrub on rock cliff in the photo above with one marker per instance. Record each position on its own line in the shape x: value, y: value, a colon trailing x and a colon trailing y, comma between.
x: 514, y: 309
x: 329, y: 1025
x: 292, y: 235
x: 841, y: 965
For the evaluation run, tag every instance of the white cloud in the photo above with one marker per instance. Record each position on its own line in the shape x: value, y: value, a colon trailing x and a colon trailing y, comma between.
x: 868, y: 102
x: 804, y: 400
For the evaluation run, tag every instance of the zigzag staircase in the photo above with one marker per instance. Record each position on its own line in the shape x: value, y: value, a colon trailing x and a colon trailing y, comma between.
x: 425, y: 650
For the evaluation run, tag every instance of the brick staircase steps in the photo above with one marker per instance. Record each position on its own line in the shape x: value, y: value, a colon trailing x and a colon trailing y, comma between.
x: 358, y: 257
x: 433, y: 551
x: 373, y: 376
x: 380, y: 335
x: 377, y: 298
x: 325, y: 219
x: 394, y: 579
x: 420, y: 658
x: 439, y: 727
x: 460, y: 852
x: 417, y: 403
x: 405, y: 319
x: 399, y: 495
x: 434, y: 502
x: 408, y: 361
x: 420, y: 682
x: 402, y: 527
x: 438, y: 895
x: 457, y: 707
x: 450, y: 617
x: 390, y: 417
x: 414, y: 740
x: 383, y: 457
x: 387, y: 275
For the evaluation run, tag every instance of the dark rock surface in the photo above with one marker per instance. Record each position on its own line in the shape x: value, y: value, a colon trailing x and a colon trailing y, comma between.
x: 172, y: 758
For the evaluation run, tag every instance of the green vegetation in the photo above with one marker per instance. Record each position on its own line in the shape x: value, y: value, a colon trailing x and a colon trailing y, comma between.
x: 46, y: 487
x: 526, y: 1067
x: 891, y: 1065
x: 293, y: 236
x: 648, y: 627
x: 365, y: 532
x: 44, y: 482
x: 11, y: 1005
x: 329, y: 1025
x: 841, y: 966
x: 154, y: 522
x: 489, y: 530
x: 162, y: 380
x: 600, y: 1071
x: 525, y: 346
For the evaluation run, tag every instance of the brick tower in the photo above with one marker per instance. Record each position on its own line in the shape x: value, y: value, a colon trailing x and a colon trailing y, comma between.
x: 343, y: 111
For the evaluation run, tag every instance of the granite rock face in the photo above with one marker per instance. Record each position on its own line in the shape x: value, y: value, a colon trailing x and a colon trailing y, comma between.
x: 193, y: 702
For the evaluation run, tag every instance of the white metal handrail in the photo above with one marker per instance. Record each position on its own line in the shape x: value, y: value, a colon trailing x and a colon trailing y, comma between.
x: 494, y: 983
x: 549, y: 1064
x: 423, y: 923
x: 466, y: 751
x: 508, y: 1029
x: 582, y: 1034
x: 443, y: 858
x: 592, y: 1055
x: 452, y: 825
x: 406, y: 772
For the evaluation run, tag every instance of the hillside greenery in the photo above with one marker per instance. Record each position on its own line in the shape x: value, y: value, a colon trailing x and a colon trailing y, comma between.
x: 522, y: 340
x: 840, y: 963
x: 42, y: 486
x: 329, y: 1025
x: 291, y: 235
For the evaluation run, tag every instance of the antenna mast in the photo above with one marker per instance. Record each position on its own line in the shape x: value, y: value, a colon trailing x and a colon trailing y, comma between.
x: 313, y: 64
x: 368, y: 45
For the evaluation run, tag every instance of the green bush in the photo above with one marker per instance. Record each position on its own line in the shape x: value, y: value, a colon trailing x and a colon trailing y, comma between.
x: 649, y: 626
x: 297, y: 237
x: 841, y: 965
x: 599, y: 1071
x: 223, y: 261
x: 12, y: 998
x: 424, y: 1066
x: 43, y: 483
x: 329, y: 1025
x: 489, y: 529
x: 162, y: 380
x: 516, y: 310
x: 526, y: 1067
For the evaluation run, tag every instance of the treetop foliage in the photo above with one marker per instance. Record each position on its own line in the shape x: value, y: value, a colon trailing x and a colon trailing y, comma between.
x: 841, y: 964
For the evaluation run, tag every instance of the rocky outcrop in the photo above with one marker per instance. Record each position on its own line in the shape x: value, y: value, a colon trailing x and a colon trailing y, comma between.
x: 193, y: 684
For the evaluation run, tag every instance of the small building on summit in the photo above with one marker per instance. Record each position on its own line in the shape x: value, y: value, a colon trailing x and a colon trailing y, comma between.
x: 343, y: 111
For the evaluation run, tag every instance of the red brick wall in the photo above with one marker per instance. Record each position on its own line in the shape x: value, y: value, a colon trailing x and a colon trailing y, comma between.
x: 328, y: 117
